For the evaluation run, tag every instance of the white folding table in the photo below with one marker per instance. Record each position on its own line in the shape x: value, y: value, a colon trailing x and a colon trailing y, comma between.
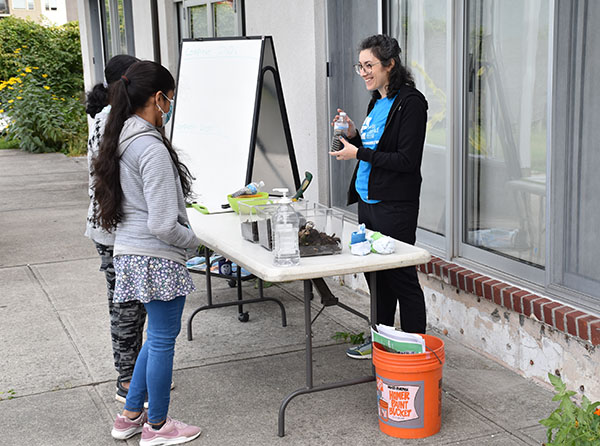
x: 221, y: 233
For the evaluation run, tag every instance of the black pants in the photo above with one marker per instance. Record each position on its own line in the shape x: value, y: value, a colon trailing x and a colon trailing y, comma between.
x: 397, y: 220
x: 126, y: 320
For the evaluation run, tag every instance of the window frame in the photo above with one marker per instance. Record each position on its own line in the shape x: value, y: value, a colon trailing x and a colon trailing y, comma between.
x: 550, y: 279
x: 183, y: 15
x: 115, y: 41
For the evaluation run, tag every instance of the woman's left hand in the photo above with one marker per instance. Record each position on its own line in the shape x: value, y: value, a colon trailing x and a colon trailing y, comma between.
x: 347, y: 153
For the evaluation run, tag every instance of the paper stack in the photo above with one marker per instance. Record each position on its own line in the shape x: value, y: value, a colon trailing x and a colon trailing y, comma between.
x: 397, y: 341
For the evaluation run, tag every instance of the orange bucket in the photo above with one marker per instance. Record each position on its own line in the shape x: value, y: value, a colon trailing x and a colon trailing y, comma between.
x: 409, y: 390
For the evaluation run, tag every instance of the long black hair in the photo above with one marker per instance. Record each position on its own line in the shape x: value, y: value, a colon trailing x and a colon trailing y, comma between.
x: 97, y: 98
x: 386, y: 49
x: 139, y: 83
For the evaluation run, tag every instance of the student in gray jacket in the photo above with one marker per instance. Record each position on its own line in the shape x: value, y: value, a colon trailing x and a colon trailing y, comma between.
x: 141, y: 187
x: 126, y: 318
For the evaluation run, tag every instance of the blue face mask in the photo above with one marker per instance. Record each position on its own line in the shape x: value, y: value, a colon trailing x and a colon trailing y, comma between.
x: 166, y: 116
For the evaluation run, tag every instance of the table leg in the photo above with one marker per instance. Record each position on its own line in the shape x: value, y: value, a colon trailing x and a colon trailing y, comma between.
x: 308, y: 333
x: 373, y: 279
x: 240, y: 300
x: 310, y: 388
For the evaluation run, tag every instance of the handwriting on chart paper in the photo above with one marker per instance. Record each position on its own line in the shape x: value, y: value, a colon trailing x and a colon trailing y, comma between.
x: 221, y: 51
x: 399, y: 401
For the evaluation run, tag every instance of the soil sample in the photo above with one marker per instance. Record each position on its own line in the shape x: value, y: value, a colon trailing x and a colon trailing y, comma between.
x: 315, y: 243
x: 264, y: 234
x: 250, y: 231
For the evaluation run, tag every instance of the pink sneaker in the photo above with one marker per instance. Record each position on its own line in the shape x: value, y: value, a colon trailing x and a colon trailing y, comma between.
x: 125, y: 428
x: 172, y: 432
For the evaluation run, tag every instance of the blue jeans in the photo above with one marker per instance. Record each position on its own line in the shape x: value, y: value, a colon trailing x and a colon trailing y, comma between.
x: 153, y: 370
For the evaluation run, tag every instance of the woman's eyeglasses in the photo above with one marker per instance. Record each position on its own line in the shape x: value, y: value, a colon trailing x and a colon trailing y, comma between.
x: 367, y: 67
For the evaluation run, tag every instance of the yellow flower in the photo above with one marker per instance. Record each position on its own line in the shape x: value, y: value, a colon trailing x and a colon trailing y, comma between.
x: 2, y: 86
x: 44, y: 75
x: 10, y: 88
x: 27, y: 70
x: 20, y: 91
x: 62, y: 99
x: 10, y: 101
x: 55, y: 99
x: 18, y: 80
x: 1, y: 110
x: 36, y: 68
x: 24, y: 46
x: 23, y: 74
x: 19, y: 97
x: 46, y: 87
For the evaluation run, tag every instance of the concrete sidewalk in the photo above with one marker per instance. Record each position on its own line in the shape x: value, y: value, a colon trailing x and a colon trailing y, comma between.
x: 56, y: 360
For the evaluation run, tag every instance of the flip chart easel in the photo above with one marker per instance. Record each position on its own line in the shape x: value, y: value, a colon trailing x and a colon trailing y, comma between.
x: 230, y: 123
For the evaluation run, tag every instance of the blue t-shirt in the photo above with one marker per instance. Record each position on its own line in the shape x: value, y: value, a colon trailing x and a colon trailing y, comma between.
x: 370, y: 132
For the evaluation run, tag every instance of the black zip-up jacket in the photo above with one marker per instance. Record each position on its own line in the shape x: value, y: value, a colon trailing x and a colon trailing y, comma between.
x: 396, y: 164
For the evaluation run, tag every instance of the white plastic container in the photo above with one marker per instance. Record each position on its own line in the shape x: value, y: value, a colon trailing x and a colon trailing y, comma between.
x: 285, y: 230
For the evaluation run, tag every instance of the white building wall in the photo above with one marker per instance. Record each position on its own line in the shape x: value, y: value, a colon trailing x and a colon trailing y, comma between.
x: 142, y: 30
x: 57, y: 17
x: 299, y: 36
x: 85, y: 35
x: 167, y: 28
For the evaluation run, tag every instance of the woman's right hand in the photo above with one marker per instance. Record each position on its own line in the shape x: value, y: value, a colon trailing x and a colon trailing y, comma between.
x: 351, y: 126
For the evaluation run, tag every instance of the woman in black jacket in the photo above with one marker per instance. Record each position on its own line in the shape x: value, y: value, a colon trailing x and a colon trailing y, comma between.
x: 387, y: 179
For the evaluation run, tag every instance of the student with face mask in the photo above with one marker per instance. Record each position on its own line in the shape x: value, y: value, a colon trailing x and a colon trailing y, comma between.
x: 126, y: 319
x: 141, y: 187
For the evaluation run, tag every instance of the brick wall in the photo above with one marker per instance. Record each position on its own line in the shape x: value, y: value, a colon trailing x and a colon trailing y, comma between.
x: 561, y: 317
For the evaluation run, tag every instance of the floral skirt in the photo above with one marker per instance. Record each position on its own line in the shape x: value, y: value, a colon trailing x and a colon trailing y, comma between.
x: 145, y: 279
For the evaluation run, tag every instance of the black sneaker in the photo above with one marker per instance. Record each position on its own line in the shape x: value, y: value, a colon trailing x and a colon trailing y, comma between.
x: 121, y: 395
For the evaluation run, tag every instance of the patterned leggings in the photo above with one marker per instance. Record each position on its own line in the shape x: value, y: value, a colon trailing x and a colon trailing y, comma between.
x: 126, y: 321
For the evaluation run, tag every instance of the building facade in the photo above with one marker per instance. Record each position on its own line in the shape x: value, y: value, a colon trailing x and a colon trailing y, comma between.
x: 57, y: 12
x: 507, y: 202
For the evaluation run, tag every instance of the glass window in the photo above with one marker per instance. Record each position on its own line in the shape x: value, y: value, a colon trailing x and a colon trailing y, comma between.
x: 198, y: 21
x: 19, y: 4
x: 3, y: 7
x: 122, y: 34
x: 212, y: 18
x: 506, y: 125
x: 117, y: 27
x: 108, y: 30
x: 30, y: 4
x: 224, y: 19
x: 576, y: 158
x: 421, y: 29
x: 349, y: 21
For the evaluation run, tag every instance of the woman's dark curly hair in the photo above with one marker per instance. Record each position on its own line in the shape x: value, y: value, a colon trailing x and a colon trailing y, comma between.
x: 97, y: 98
x: 386, y: 49
x: 139, y: 83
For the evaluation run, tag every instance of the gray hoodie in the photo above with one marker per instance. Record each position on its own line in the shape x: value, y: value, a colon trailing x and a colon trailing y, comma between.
x: 154, y: 221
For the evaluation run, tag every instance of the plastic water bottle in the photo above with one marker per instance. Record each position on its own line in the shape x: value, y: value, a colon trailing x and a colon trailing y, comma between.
x: 340, y: 128
x: 249, y: 189
x: 285, y: 230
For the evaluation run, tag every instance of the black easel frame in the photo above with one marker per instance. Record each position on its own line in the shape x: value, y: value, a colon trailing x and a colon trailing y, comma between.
x: 238, y: 279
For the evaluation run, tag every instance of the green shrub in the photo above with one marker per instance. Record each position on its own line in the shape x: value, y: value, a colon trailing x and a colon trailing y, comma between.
x: 570, y: 424
x: 41, y: 86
